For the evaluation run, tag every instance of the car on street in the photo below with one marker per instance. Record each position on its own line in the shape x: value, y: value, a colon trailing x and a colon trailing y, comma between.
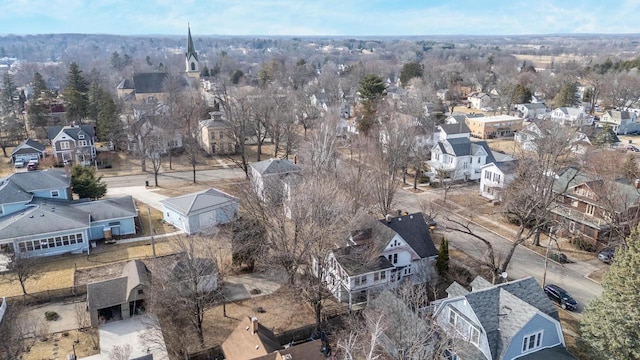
x: 561, y: 297
x: 19, y: 163
x: 606, y: 255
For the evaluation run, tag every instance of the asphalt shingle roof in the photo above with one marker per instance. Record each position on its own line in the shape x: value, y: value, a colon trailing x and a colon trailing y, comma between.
x: 72, y: 131
x: 149, y: 83
x: 360, y: 259
x: 197, y: 201
x: 29, y: 143
x: 459, y: 128
x: 107, y: 293
x: 112, y: 208
x: 49, y: 179
x: 42, y: 219
x: 275, y: 166
x: 12, y: 193
x: 414, y: 230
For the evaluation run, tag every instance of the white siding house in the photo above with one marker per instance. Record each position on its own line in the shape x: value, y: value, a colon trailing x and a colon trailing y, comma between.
x: 495, y: 177
x: 199, y: 211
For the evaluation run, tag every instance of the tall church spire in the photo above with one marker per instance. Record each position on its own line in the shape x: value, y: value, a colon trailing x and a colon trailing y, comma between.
x: 191, y: 57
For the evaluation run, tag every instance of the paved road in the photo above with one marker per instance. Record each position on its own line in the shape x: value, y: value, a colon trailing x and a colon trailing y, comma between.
x: 223, y: 175
x: 524, y: 263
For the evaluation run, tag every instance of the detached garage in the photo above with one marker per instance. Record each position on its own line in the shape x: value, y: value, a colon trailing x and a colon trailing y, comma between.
x: 199, y: 211
x: 28, y: 150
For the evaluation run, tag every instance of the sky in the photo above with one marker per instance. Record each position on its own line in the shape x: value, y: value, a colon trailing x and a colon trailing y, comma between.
x: 320, y: 17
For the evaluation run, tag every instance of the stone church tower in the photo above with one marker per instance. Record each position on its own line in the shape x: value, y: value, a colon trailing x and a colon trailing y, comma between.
x: 191, y: 59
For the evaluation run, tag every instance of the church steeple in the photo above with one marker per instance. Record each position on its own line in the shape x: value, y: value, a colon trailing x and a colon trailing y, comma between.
x: 191, y: 57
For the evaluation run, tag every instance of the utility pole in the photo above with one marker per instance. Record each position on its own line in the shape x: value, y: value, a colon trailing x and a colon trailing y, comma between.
x: 153, y: 242
x: 546, y: 258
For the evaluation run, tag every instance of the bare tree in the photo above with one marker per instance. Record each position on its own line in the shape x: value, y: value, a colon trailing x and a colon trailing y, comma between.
x: 24, y: 266
x: 192, y: 108
x: 239, y: 112
x: 82, y: 316
x: 121, y: 352
x: 11, y: 333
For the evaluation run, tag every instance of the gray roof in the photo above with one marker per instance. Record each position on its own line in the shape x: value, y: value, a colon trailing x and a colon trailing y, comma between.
x: 504, y: 308
x: 213, y: 123
x: 137, y: 274
x: 107, y: 293
x: 365, y: 229
x: 507, y: 167
x: 480, y: 283
x: 360, y: 259
x: 198, y: 201
x: 555, y: 353
x: 459, y: 128
x: 12, y: 193
x: 112, y: 208
x: 456, y: 289
x: 623, y: 115
x: 29, y: 143
x: 72, y: 131
x: 31, y: 181
x: 125, y: 84
x: 415, y: 231
x: 151, y: 82
x: 275, y: 166
x: 459, y: 146
x: 116, y: 291
x: 41, y: 218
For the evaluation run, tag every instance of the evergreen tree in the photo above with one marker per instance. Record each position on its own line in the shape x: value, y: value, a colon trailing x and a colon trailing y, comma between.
x: 39, y: 86
x: 568, y: 95
x: 205, y: 71
x: 442, y: 264
x: 610, y: 325
x: 409, y: 71
x: 371, y: 88
x: 9, y: 94
x: 75, y: 94
x: 107, y: 121
x: 85, y: 183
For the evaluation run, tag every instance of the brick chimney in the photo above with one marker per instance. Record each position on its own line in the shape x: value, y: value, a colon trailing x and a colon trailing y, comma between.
x: 254, y: 325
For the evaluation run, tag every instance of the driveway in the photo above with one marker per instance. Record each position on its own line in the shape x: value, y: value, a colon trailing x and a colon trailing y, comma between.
x: 131, y: 332
x: 140, y: 193
x: 239, y: 287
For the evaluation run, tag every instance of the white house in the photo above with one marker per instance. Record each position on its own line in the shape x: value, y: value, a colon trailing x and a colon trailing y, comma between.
x: 621, y: 122
x: 506, y: 321
x: 570, y: 116
x: 199, y: 211
x: 533, y: 131
x: 531, y: 110
x: 479, y: 100
x: 494, y: 177
x: 455, y: 154
x: 378, y: 254
x: 267, y: 177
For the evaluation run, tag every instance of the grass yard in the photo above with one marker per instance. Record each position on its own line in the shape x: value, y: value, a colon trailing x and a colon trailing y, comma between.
x: 59, y: 345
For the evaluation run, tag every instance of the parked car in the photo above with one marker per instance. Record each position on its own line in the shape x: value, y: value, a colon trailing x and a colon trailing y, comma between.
x: 19, y: 163
x: 32, y: 166
x: 606, y: 255
x: 561, y: 297
x: 34, y: 159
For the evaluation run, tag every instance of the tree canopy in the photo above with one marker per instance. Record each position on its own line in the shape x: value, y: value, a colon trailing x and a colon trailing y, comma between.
x: 75, y: 94
x: 85, y: 183
x: 609, y: 326
x: 409, y: 71
x: 372, y: 87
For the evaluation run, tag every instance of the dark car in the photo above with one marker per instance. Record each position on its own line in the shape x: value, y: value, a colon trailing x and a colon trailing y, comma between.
x: 606, y: 255
x: 560, y: 296
x: 31, y: 167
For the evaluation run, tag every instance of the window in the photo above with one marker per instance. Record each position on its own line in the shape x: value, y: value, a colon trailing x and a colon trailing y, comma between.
x: 465, y: 165
x: 395, y: 259
x: 452, y: 317
x: 531, y: 342
x: 357, y: 281
x: 65, y: 240
x: 376, y: 276
x: 140, y: 291
x: 80, y: 136
x: 363, y: 280
x: 590, y: 209
x: 82, y: 142
x: 221, y: 134
x: 572, y: 226
x: 383, y: 275
x: 487, y: 175
x: 55, y: 193
x: 64, y: 145
x: 475, y: 336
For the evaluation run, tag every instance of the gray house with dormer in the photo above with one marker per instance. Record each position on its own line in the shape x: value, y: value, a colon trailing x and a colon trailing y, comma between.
x: 75, y: 143
x: 513, y: 320
x: 39, y: 217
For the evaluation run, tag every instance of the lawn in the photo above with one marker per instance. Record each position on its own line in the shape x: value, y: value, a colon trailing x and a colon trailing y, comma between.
x: 59, y: 345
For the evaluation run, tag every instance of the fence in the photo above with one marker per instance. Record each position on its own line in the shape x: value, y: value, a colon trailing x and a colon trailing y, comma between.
x: 3, y: 308
x: 49, y: 295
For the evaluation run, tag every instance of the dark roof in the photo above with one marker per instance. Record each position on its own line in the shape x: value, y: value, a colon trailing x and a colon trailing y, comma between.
x: 31, y: 181
x: 360, y: 259
x: 40, y: 218
x: 459, y: 146
x: 12, y: 193
x: 458, y: 128
x: 414, y: 230
x: 72, y: 131
x: 365, y: 229
x: 555, y: 353
x: 111, y: 208
x: 190, y: 49
x: 486, y: 148
x: 148, y: 83
x: 125, y: 84
x: 29, y: 143
x: 106, y: 293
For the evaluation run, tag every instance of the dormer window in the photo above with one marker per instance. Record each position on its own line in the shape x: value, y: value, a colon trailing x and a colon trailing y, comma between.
x: 80, y: 136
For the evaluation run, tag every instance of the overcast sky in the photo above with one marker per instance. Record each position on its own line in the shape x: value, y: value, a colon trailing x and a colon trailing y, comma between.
x: 320, y: 17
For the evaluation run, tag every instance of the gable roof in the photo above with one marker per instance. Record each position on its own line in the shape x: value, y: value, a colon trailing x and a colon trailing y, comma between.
x: 244, y: 344
x: 503, y: 309
x: 125, y: 84
x: 116, y: 291
x: 107, y: 293
x: 198, y: 201
x: 71, y: 131
x: 360, y: 259
x: 622, y: 115
x: 215, y: 123
x: 31, y: 181
x: 414, y: 230
x: 12, y: 193
x: 459, y: 128
x: 149, y: 82
x: 29, y: 143
x: 111, y: 208
x: 275, y: 166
